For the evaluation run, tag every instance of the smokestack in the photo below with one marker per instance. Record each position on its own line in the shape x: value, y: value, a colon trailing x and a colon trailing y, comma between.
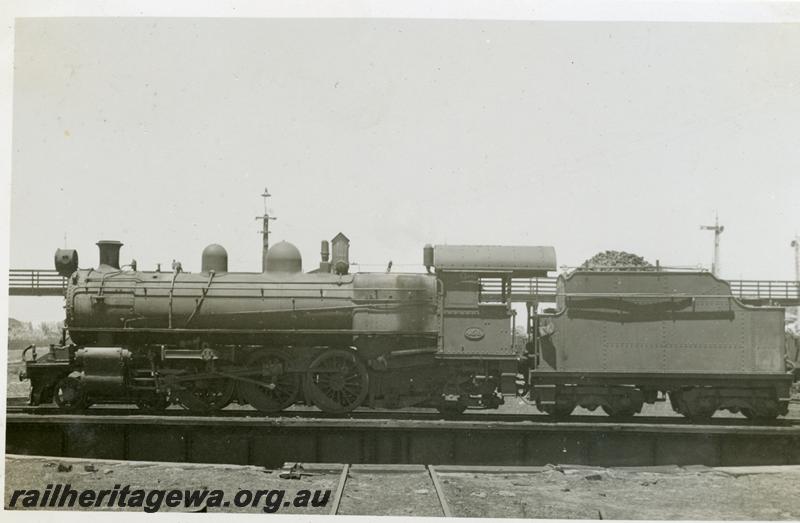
x: 109, y: 254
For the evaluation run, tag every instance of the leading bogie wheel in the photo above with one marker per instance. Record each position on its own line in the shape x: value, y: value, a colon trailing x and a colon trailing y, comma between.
x: 70, y: 395
x: 277, y: 389
x: 336, y: 381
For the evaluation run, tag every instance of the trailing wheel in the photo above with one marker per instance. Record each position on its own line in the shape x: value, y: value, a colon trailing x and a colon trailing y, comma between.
x: 153, y: 403
x: 453, y: 397
x: 336, y: 381
x: 70, y: 395
x: 277, y: 389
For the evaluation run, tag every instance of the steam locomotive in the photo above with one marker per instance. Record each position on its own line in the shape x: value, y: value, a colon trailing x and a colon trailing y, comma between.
x: 440, y: 339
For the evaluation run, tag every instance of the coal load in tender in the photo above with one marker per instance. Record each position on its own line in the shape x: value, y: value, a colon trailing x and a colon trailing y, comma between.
x: 616, y: 261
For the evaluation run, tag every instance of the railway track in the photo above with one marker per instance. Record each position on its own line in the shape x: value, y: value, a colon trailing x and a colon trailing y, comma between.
x: 436, y: 486
x: 18, y: 406
x: 241, y: 438
x: 430, y: 478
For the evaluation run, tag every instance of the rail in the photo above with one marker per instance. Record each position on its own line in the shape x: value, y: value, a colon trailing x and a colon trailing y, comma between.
x: 47, y: 282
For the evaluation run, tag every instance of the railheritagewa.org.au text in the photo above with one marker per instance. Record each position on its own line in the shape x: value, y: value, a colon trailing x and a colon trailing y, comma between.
x: 152, y: 500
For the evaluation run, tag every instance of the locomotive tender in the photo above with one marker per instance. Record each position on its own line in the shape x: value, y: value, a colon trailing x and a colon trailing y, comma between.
x: 338, y: 341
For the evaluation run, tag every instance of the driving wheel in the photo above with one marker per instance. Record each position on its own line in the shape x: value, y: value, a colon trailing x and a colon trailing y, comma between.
x: 336, y: 381
x: 277, y: 389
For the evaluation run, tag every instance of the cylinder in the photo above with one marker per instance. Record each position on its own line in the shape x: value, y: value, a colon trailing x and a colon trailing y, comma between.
x: 103, y: 368
x: 66, y: 261
x: 214, y: 258
x: 109, y: 253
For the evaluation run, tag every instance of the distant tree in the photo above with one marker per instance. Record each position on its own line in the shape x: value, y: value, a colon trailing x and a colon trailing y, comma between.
x: 15, y: 324
x: 21, y: 334
x: 46, y: 329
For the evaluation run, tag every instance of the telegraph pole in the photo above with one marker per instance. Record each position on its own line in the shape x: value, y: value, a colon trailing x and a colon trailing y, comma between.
x: 265, y: 231
x: 717, y: 228
x: 796, y: 245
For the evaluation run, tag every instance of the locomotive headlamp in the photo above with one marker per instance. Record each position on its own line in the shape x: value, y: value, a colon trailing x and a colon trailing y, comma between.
x: 66, y: 261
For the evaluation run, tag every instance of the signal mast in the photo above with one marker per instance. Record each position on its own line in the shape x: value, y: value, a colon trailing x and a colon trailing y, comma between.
x: 717, y: 228
x: 265, y: 230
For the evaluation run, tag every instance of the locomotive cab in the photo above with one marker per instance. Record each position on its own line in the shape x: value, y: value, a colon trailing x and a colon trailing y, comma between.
x: 478, y: 321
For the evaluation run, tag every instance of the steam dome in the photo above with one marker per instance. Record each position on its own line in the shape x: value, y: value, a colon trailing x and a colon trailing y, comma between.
x: 215, y: 258
x: 284, y: 257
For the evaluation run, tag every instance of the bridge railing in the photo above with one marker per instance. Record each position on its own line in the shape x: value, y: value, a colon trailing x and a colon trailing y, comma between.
x: 35, y: 282
x: 768, y: 290
x: 521, y: 289
x: 47, y: 282
x: 784, y: 292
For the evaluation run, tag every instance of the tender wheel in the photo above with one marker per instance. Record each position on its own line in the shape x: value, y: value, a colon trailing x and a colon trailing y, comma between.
x: 336, y: 381
x: 561, y: 409
x: 696, y: 408
x: 676, y: 401
x: 622, y: 408
x: 759, y: 417
x: 280, y: 388
x: 205, y: 395
x: 451, y: 409
x: 763, y: 411
x: 701, y: 416
x: 70, y: 395
x: 618, y: 413
x: 700, y: 412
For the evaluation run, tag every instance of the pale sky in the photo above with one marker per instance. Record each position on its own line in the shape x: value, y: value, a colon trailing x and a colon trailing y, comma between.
x: 587, y: 136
